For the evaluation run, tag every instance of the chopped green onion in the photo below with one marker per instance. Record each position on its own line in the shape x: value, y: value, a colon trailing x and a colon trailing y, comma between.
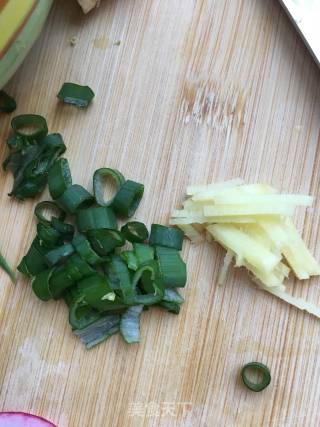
x: 261, y: 369
x: 59, y: 255
x: 81, y: 315
x: 75, y: 197
x: 129, y: 257
x: 77, y: 268
x: 30, y: 126
x: 135, y: 232
x: 7, y: 103
x: 34, y: 261
x: 166, y: 236
x: 171, y: 301
x: 72, y: 93
x: 48, y: 235
x: 100, y: 177
x: 59, y: 282
x: 105, y: 241
x: 66, y: 230
x: 149, y: 280
x: 172, y: 267
x: 96, y: 218
x: 40, y: 285
x: 119, y: 269
x: 84, y: 249
x: 99, y: 331
x: 42, y: 206
x: 127, y: 199
x: 6, y: 267
x: 16, y: 143
x: 143, y: 252
x: 99, y: 294
x: 130, y: 324
x: 59, y: 178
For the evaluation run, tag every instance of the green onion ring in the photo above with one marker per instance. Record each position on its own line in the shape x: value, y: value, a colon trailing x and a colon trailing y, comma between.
x: 99, y: 178
x: 72, y: 93
x: 135, y: 232
x: 127, y: 199
x: 59, y: 178
x: 168, y: 237
x: 40, y: 207
x: 36, y: 124
x: 75, y: 197
x: 260, y: 367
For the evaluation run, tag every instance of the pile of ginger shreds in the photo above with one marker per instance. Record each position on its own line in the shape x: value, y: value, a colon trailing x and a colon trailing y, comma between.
x: 253, y: 223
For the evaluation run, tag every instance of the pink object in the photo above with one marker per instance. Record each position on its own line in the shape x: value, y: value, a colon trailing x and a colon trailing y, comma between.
x: 21, y: 419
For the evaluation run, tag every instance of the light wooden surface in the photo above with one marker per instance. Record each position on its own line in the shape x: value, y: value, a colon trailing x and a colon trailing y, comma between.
x: 197, y: 90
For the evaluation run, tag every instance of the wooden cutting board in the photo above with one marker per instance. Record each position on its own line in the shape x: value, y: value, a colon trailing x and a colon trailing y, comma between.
x: 187, y: 91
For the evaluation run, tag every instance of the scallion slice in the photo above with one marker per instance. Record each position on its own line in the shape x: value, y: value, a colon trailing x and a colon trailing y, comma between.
x: 74, y: 198
x: 99, y: 179
x: 84, y: 249
x: 172, y: 267
x: 129, y: 257
x: 72, y: 93
x: 6, y: 267
x: 34, y: 261
x: 99, y: 330
x: 81, y: 315
x: 7, y: 103
x: 59, y: 178
x: 32, y: 127
x: 127, y: 199
x: 135, y: 232
x: 166, y: 236
x: 48, y: 236
x: 130, y: 324
x: 40, y: 285
x: 148, y: 279
x: 143, y: 252
x: 96, y: 218
x: 46, y: 205
x: 260, y: 368
x: 59, y: 255
x: 66, y: 230
x: 105, y: 241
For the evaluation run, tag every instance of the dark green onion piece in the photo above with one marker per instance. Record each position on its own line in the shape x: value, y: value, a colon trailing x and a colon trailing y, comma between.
x: 6, y: 267
x: 119, y: 270
x: 171, y: 301
x: 96, y: 218
x: 59, y: 282
x: 77, y: 268
x: 127, y: 199
x: 59, y: 255
x: 105, y: 241
x: 59, y: 178
x: 75, y: 197
x: 81, y: 314
x: 99, y: 294
x: 130, y: 324
x: 48, y: 236
x: 7, y: 103
x: 99, y: 331
x: 143, y: 252
x: 172, y: 267
x: 66, y: 230
x: 135, y: 232
x: 149, y: 280
x: 260, y: 368
x: 166, y: 236
x: 45, y: 205
x: 84, y: 249
x: 99, y: 179
x: 72, y: 93
x: 129, y: 257
x: 16, y: 143
x: 30, y: 126
x: 34, y: 261
x: 40, y: 285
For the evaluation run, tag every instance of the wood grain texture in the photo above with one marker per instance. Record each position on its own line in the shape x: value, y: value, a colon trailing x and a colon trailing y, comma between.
x: 197, y: 90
